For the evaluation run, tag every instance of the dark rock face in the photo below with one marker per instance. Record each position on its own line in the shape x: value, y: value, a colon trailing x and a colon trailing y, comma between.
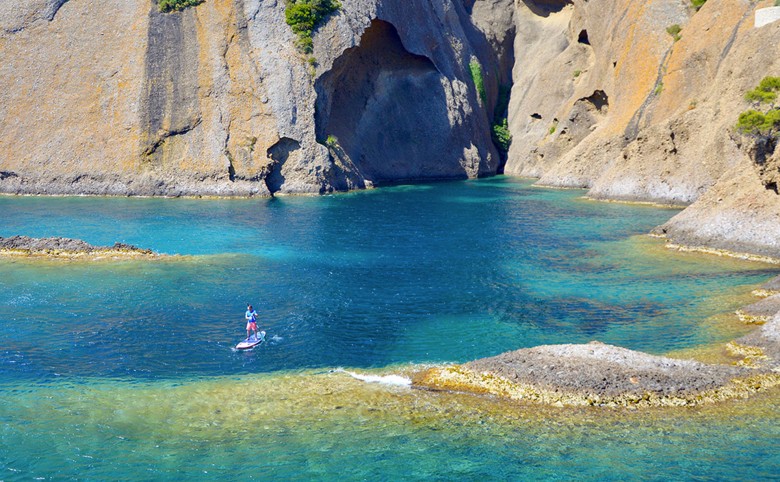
x: 389, y: 111
x: 280, y: 153
x: 170, y: 104
x: 58, y: 245
x: 546, y: 7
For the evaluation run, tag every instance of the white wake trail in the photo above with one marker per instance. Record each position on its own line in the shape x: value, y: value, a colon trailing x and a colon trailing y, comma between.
x: 394, y: 380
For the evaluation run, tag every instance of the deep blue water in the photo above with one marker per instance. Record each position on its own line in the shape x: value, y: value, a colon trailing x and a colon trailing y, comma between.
x: 405, y: 275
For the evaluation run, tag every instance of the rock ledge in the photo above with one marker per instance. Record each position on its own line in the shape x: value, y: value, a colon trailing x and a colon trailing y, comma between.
x: 599, y: 374
x: 67, y: 248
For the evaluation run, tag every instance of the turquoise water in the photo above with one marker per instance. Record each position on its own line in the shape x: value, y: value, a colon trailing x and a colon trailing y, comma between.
x: 126, y: 370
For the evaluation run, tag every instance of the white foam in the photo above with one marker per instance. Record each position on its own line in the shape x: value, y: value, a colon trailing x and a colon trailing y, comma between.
x: 395, y: 380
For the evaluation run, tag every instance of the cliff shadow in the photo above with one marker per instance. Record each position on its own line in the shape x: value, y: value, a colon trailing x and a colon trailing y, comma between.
x: 280, y: 153
x: 387, y: 110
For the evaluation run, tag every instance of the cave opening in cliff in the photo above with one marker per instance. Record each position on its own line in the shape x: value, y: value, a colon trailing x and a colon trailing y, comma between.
x: 583, y: 37
x: 599, y: 99
x: 280, y: 153
x: 386, y: 109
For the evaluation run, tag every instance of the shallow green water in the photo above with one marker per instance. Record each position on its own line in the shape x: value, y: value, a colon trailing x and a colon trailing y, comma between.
x: 126, y: 370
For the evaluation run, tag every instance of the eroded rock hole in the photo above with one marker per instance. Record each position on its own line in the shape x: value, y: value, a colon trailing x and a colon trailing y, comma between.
x: 386, y: 107
x: 546, y: 7
x: 583, y: 37
x: 536, y: 116
x: 599, y: 99
x: 279, y: 153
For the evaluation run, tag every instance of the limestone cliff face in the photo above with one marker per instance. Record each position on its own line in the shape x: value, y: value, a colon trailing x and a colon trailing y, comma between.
x: 738, y: 214
x: 604, y: 98
x: 216, y: 100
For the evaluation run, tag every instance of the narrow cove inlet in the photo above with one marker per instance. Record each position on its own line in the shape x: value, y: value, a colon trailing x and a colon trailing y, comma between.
x: 127, y: 369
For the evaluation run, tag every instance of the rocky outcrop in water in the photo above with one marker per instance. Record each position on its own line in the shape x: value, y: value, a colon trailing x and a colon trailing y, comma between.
x: 597, y: 374
x: 67, y: 248
x: 605, y: 375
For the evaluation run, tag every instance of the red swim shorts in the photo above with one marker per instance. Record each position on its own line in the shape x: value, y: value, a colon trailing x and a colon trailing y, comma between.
x: 251, y: 326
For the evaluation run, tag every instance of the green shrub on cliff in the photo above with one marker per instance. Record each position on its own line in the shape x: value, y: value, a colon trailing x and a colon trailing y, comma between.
x: 479, y: 82
x: 304, y: 16
x: 755, y: 122
x: 766, y: 92
x: 166, y: 6
x: 697, y: 4
x: 501, y: 136
x: 674, y: 31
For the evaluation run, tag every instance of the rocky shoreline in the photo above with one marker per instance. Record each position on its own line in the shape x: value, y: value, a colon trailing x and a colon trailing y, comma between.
x: 69, y: 249
x: 596, y: 374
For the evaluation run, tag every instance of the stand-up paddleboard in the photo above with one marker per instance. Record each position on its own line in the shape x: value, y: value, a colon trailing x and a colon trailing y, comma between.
x: 251, y: 342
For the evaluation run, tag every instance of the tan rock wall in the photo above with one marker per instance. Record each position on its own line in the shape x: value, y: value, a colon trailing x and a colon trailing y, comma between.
x: 117, y: 98
x: 666, y: 135
x: 71, y: 104
x: 666, y: 130
x: 93, y: 110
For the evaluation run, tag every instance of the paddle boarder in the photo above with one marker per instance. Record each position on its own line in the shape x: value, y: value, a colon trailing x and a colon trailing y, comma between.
x: 251, y: 322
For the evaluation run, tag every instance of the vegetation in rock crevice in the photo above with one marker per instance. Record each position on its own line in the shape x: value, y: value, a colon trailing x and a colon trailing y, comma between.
x: 674, y: 31
x: 479, y: 82
x: 553, y: 127
x: 501, y: 135
x: 697, y: 4
x: 304, y: 16
x: 167, y: 6
x: 499, y: 131
x: 332, y: 141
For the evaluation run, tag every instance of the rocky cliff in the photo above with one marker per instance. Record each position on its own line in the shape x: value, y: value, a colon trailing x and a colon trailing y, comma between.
x: 116, y: 97
x: 605, y: 98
